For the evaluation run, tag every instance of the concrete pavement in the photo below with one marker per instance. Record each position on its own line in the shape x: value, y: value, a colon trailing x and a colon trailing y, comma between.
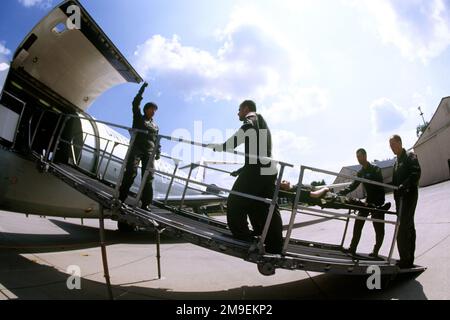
x: 35, y: 254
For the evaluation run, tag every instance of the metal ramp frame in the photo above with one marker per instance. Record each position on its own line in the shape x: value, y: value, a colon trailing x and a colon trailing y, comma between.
x: 214, y: 235
x: 209, y: 233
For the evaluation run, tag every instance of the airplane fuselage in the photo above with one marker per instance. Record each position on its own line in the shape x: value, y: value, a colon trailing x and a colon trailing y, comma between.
x: 58, y: 73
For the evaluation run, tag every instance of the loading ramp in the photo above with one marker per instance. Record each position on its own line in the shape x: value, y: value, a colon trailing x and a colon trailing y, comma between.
x: 214, y: 235
x: 209, y: 233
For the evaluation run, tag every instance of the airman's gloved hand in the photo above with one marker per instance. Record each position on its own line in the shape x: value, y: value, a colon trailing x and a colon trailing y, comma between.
x: 401, y: 189
x: 216, y: 147
x: 138, y: 97
x: 235, y: 173
x: 145, y: 85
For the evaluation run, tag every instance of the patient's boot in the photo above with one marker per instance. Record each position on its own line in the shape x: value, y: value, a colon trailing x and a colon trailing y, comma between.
x: 374, y: 254
x: 385, y: 207
x: 350, y: 250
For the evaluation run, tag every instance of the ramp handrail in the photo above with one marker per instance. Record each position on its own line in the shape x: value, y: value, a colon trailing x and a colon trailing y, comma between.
x: 296, y: 206
x: 204, y: 145
x: 169, y: 137
x: 135, y: 131
x: 120, y: 161
x: 63, y: 118
x: 272, y: 202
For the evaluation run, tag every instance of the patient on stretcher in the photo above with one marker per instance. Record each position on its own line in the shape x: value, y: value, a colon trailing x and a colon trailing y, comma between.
x: 325, y: 198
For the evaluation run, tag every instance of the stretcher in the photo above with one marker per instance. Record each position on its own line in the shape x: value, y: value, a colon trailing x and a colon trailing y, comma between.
x: 331, y: 201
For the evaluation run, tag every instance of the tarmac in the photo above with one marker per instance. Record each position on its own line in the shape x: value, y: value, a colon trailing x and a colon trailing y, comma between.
x: 36, y: 253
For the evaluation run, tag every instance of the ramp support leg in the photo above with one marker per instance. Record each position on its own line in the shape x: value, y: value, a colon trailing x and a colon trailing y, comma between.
x: 186, y: 187
x: 272, y: 209
x: 177, y: 163
x: 158, y: 250
x: 104, y: 256
x: 397, y: 226
x: 294, y: 210
x: 346, y: 228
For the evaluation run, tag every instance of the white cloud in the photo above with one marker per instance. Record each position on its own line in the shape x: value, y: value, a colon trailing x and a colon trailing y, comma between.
x: 41, y: 3
x: 4, y: 66
x: 425, y: 100
x: 188, y: 69
x: 389, y: 118
x: 253, y: 61
x: 295, y: 104
x: 3, y: 50
x: 2, y: 79
x: 289, y: 146
x: 386, y: 116
x: 419, y: 28
x: 239, y: 70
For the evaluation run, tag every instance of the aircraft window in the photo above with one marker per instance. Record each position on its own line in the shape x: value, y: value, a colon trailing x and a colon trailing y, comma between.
x: 60, y: 28
x: 11, y: 110
x: 3, y: 72
x: 9, y: 122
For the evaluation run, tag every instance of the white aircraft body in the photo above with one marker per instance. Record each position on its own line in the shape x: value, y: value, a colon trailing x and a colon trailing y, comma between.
x: 62, y: 70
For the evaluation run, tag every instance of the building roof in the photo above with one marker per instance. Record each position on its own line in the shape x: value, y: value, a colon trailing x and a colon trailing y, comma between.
x: 385, y: 163
x: 434, y: 127
x: 380, y: 164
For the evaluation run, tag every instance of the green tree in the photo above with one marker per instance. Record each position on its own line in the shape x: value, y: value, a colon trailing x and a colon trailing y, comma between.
x: 421, y: 129
x: 318, y: 183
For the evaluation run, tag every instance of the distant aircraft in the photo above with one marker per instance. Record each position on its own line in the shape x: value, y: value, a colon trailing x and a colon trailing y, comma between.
x: 59, y: 69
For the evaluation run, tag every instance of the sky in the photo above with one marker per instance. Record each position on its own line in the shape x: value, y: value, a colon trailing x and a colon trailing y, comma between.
x: 329, y: 76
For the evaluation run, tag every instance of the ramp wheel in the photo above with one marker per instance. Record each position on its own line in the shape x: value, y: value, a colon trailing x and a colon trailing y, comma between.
x: 266, y: 269
x: 42, y: 166
x: 125, y: 227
